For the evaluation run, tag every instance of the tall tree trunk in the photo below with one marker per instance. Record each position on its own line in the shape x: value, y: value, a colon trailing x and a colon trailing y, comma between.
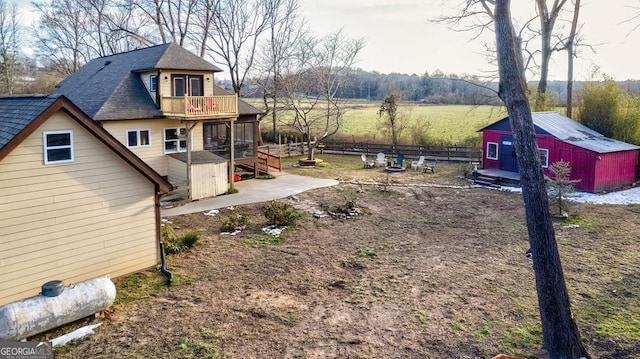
x: 547, y: 23
x: 560, y: 332
x: 545, y: 55
x: 570, y: 56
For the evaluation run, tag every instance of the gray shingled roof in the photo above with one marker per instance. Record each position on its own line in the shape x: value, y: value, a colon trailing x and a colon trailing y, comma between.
x: 109, y: 87
x: 17, y: 112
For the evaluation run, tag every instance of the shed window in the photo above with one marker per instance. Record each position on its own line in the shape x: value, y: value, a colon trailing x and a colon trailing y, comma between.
x: 153, y: 83
x: 492, y: 150
x: 544, y: 157
x: 174, y: 140
x: 58, y: 147
x: 139, y: 138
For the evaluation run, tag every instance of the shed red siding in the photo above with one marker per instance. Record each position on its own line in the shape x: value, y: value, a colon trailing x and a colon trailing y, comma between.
x: 581, y: 162
x: 601, y: 164
x: 491, y: 136
x: 596, y: 172
x: 615, y: 170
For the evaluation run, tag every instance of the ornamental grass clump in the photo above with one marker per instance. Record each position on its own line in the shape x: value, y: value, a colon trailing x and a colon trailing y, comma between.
x: 236, y: 220
x: 177, y: 244
x: 280, y: 214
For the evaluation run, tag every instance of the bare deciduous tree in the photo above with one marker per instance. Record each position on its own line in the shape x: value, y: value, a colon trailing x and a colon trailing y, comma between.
x: 62, y: 34
x: 570, y: 46
x: 477, y: 16
x: 172, y: 19
x: 128, y: 30
x: 202, y: 22
x: 235, y: 29
x: 311, y: 85
x: 285, y: 29
x: 548, y: 18
x: 10, y: 39
x: 561, y: 337
x: 393, y: 122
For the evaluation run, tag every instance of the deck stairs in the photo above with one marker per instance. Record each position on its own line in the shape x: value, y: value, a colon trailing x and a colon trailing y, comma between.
x: 248, y: 167
x: 265, y: 162
x: 496, y: 179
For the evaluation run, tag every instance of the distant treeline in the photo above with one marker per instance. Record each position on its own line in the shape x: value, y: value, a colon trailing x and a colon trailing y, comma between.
x: 438, y: 88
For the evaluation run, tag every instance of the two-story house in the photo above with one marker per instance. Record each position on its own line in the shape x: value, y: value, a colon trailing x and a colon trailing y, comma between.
x: 162, y: 103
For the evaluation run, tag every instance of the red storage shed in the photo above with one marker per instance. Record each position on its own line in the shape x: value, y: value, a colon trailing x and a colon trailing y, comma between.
x: 600, y: 163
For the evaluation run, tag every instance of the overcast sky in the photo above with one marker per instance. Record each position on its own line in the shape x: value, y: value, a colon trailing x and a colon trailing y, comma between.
x: 399, y: 37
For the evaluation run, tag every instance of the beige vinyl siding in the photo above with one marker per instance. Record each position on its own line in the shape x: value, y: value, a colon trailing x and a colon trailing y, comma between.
x: 146, y: 79
x: 72, y: 221
x: 153, y: 155
x: 197, y: 138
x: 177, y: 172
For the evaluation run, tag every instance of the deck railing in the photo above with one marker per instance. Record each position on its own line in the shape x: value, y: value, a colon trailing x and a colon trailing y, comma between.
x: 200, y: 106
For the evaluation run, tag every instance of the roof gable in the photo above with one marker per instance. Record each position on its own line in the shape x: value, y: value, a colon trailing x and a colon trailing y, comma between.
x: 176, y: 58
x: 20, y: 116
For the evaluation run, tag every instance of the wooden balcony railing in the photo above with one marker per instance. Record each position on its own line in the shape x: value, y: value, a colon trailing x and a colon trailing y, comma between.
x: 200, y: 106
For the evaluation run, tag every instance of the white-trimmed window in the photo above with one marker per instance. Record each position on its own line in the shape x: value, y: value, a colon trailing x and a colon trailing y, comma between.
x: 58, y: 146
x: 544, y: 157
x: 492, y: 150
x: 138, y: 138
x: 153, y: 83
x: 175, y: 140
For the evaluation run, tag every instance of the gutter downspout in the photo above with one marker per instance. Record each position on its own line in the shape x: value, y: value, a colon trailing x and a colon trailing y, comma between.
x: 163, y: 267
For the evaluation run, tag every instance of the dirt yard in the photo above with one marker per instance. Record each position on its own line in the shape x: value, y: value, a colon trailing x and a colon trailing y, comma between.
x: 421, y: 272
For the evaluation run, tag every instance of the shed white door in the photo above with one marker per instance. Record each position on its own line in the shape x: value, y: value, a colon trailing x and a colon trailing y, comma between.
x: 208, y: 180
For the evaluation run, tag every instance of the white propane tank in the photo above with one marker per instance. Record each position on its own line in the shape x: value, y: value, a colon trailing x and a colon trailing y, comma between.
x: 30, y: 316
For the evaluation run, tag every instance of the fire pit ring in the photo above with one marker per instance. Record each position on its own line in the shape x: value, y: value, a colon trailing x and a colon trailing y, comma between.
x: 394, y: 169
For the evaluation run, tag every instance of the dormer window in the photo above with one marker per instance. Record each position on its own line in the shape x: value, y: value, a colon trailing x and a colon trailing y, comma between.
x: 153, y: 83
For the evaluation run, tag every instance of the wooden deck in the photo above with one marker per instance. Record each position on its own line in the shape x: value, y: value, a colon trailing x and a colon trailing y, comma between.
x: 495, y: 178
x: 200, y: 106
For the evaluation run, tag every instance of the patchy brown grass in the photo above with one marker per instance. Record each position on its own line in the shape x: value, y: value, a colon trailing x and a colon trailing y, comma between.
x: 429, y: 269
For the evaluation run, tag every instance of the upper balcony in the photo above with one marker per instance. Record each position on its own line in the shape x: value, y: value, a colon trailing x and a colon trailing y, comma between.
x: 192, y: 107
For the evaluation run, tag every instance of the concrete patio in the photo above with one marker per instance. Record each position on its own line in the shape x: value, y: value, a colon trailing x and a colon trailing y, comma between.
x: 252, y: 191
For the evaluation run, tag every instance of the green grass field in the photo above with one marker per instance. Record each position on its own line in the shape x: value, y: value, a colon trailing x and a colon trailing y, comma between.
x: 450, y: 124
x: 447, y: 123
